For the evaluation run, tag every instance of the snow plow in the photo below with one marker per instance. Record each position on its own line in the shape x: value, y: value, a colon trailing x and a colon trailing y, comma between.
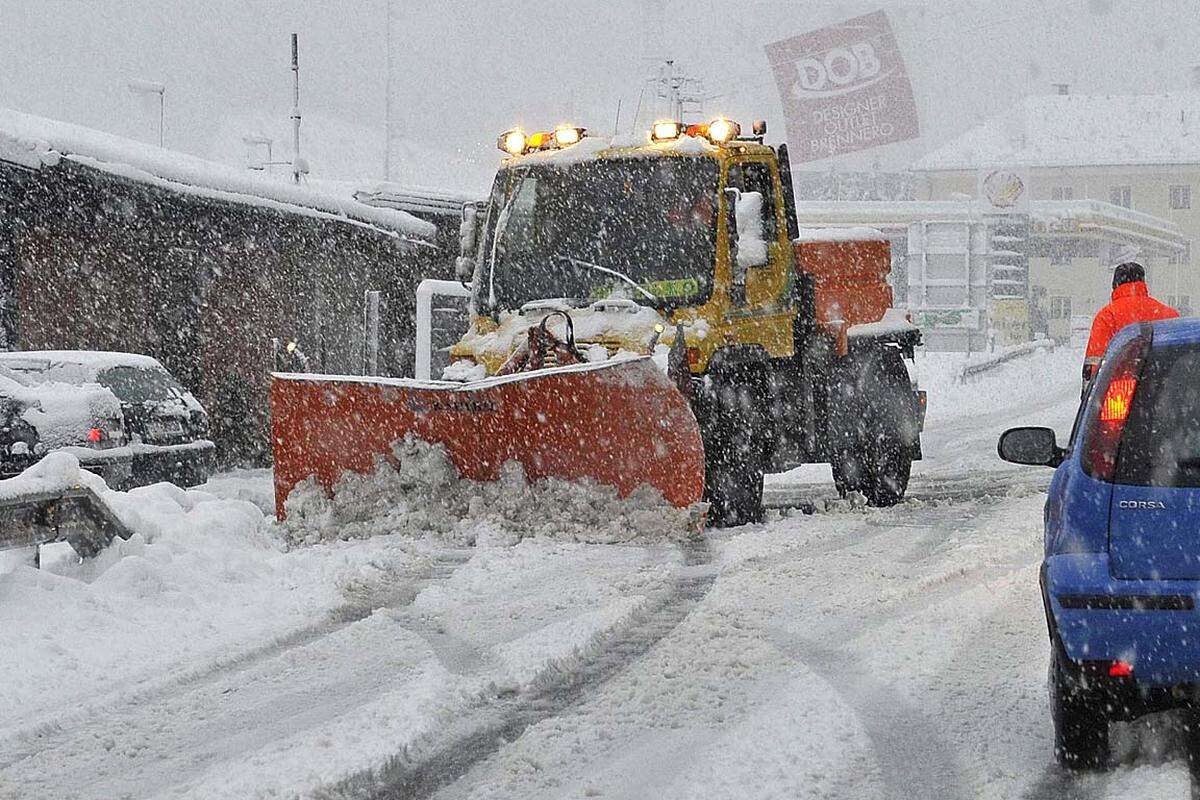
x: 638, y: 427
x: 644, y: 312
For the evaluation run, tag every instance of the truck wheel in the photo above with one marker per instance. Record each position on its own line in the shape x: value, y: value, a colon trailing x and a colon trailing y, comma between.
x: 732, y: 428
x: 892, y: 428
x: 873, y: 427
x: 1080, y: 726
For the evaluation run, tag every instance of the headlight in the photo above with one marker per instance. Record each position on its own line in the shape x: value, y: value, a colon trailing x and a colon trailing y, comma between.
x: 666, y: 130
x: 512, y: 142
x: 722, y: 130
x: 564, y: 136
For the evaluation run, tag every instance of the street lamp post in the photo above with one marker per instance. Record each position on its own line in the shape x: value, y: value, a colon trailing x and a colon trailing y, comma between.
x: 149, y: 87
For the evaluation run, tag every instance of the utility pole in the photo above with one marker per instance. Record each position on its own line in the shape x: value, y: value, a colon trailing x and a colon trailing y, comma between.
x: 387, y: 100
x: 298, y: 165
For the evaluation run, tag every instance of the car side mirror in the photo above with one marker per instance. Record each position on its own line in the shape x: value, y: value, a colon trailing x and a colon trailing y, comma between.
x: 1032, y: 446
x: 737, y: 289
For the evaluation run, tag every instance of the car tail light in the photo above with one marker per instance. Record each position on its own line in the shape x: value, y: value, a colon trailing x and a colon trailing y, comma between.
x: 1120, y: 669
x: 1111, y: 400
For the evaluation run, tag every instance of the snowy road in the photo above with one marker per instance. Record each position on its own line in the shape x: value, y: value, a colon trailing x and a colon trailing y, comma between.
x: 847, y: 653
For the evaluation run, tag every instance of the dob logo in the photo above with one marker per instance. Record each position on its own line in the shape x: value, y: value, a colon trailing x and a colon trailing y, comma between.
x: 844, y: 88
x: 840, y: 71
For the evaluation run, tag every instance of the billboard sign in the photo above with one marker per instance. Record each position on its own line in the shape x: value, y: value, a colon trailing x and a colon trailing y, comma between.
x: 844, y: 88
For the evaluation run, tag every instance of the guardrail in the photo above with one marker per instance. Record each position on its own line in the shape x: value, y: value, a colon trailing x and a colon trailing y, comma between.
x: 987, y: 363
x: 77, y: 516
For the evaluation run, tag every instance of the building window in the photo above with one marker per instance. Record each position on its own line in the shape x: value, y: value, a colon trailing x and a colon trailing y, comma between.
x: 1182, y: 257
x: 1062, y: 193
x: 1181, y: 197
x: 1060, y: 308
x: 1181, y: 303
x: 1121, y: 196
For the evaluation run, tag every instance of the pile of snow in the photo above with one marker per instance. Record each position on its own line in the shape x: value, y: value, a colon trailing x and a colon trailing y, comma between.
x: 423, y: 495
x: 200, y: 579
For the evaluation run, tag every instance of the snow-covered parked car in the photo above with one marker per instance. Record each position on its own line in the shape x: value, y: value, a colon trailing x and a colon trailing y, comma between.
x: 39, y: 417
x: 167, y: 426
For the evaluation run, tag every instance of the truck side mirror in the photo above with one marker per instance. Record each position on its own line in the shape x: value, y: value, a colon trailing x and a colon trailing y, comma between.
x: 752, y: 242
x: 737, y: 289
x: 1032, y: 446
x: 468, y: 237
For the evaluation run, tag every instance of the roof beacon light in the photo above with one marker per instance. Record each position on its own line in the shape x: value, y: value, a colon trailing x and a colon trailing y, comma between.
x: 512, y: 142
x: 666, y: 130
x: 722, y: 130
x: 565, y: 136
x: 542, y: 140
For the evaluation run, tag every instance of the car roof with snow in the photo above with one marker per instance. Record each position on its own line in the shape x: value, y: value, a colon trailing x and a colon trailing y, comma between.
x: 94, y: 361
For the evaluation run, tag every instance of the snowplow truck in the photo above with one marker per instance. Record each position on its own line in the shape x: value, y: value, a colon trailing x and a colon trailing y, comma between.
x: 644, y: 312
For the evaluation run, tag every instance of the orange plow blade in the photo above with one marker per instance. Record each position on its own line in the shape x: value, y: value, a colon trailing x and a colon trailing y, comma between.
x: 622, y: 423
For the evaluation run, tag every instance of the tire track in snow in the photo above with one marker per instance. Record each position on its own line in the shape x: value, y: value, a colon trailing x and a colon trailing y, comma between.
x: 913, y: 757
x: 406, y: 777
x: 57, y: 732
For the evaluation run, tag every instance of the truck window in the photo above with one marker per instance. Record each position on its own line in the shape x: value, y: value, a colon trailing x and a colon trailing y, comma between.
x: 1160, y: 445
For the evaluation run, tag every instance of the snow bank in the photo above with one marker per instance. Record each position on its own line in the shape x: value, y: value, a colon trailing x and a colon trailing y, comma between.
x: 201, y: 579
x: 422, y: 495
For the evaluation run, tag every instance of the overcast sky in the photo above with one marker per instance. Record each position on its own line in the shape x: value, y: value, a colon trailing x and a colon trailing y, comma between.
x: 464, y: 71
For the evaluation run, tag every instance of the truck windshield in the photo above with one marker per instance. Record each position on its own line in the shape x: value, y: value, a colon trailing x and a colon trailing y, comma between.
x: 651, y: 220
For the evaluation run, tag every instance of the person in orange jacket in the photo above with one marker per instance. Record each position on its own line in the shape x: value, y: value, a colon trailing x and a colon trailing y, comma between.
x: 1131, y: 302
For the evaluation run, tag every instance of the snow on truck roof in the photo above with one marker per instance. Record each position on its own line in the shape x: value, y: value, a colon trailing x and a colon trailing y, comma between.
x: 858, y: 233
x: 32, y: 141
x: 592, y: 148
x: 1080, y: 130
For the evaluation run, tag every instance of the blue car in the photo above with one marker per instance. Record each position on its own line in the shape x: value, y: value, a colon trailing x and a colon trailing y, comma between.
x: 1121, y: 572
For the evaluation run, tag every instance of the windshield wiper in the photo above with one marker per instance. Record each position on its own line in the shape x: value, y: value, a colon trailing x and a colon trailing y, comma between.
x: 608, y: 271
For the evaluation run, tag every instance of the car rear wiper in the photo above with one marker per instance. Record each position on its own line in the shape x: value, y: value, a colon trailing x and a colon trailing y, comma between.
x: 579, y: 262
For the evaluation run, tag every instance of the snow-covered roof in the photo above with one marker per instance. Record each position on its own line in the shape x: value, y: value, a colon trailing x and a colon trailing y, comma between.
x: 1080, y: 130
x: 32, y: 141
x: 413, y: 199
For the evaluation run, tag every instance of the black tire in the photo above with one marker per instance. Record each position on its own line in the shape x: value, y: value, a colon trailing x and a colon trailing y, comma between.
x: 729, y: 411
x: 1080, y: 724
x: 874, y: 424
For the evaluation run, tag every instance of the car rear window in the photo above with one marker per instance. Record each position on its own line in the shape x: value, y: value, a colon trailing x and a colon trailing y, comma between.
x: 140, y: 385
x: 1160, y: 445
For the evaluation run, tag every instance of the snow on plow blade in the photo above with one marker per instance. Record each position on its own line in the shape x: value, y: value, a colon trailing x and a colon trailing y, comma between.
x: 622, y: 423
